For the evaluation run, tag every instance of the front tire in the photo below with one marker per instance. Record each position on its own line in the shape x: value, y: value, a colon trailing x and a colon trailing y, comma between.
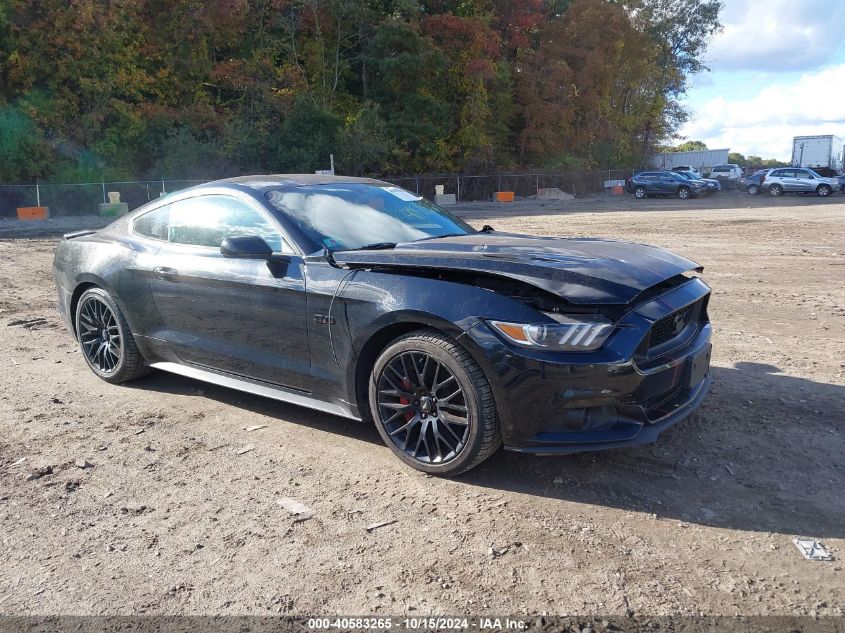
x: 640, y: 193
x: 107, y: 345
x: 824, y: 191
x: 683, y: 193
x: 775, y: 190
x: 433, y: 405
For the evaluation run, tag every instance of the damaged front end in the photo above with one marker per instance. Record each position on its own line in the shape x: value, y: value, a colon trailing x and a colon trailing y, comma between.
x: 609, y: 346
x: 649, y: 374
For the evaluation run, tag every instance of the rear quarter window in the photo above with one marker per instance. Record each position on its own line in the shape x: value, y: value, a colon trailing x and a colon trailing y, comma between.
x: 153, y: 224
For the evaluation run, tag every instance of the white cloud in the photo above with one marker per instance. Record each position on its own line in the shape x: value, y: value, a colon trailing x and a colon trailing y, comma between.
x: 777, y: 35
x: 764, y: 124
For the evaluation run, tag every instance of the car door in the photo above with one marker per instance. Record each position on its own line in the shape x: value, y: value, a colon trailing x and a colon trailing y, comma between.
x: 790, y: 181
x: 241, y: 316
x: 804, y: 180
x: 667, y: 183
x: 778, y: 176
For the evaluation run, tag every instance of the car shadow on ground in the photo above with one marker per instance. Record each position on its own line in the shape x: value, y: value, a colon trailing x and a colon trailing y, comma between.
x: 764, y: 454
x: 179, y: 385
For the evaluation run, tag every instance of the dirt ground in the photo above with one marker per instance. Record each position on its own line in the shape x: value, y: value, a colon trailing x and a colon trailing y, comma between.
x: 170, y: 514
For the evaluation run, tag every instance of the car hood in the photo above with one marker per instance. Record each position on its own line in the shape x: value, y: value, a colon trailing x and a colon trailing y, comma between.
x: 580, y: 270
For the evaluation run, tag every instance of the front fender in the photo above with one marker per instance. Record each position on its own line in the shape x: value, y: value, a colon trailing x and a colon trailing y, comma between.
x: 377, y: 307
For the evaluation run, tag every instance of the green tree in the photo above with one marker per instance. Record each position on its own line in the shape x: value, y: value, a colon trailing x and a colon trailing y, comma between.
x: 407, y: 77
x: 680, y: 31
x: 735, y: 158
x: 307, y: 138
x: 21, y: 145
x: 689, y: 146
x: 365, y: 145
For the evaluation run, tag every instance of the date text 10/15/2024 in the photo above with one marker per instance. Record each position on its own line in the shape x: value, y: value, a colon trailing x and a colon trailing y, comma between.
x: 418, y: 623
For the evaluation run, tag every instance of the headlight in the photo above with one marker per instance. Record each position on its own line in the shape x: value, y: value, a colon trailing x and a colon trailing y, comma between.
x: 582, y: 333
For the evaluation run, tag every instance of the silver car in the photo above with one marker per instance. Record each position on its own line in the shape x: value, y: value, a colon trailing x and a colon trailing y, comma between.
x: 797, y: 180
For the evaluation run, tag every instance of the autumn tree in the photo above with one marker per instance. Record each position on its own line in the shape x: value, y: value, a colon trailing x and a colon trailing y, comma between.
x: 205, y: 88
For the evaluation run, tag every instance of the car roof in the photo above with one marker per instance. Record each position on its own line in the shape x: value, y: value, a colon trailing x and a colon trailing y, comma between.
x: 268, y: 182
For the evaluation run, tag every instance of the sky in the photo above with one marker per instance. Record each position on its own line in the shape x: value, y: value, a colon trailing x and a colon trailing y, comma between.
x: 777, y: 71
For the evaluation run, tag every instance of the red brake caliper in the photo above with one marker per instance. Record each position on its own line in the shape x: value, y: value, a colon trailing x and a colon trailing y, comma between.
x: 409, y: 413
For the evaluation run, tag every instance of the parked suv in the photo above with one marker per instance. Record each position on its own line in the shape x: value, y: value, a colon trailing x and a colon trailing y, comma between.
x: 783, y: 180
x: 664, y: 183
x: 691, y: 174
x: 729, y: 174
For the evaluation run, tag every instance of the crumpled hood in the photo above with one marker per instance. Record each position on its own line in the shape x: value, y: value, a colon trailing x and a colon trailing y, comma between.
x: 582, y: 271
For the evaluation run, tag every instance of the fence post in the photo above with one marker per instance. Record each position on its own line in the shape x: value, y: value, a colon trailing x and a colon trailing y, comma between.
x: 537, y: 184
x: 37, y: 195
x: 417, y: 180
x: 162, y: 187
x: 458, y: 179
x: 103, y: 184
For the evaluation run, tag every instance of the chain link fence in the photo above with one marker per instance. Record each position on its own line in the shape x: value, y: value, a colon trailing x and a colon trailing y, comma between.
x: 83, y: 198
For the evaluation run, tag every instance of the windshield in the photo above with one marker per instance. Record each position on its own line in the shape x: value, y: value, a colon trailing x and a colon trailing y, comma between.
x: 682, y: 175
x: 348, y: 216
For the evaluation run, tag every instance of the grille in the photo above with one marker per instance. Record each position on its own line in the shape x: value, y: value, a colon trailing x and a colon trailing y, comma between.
x: 670, y: 326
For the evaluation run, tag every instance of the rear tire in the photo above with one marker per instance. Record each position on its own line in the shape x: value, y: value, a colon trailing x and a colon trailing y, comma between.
x: 107, y: 344
x: 440, y: 430
x: 683, y: 193
x: 640, y: 193
x: 824, y: 191
x: 775, y: 190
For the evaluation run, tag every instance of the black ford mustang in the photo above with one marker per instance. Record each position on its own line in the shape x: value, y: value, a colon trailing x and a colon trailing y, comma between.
x: 360, y: 299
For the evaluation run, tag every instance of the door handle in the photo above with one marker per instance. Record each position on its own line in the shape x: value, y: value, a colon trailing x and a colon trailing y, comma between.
x: 168, y: 274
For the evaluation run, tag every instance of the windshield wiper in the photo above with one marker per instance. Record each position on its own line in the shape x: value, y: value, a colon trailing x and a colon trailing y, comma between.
x: 437, y: 237
x: 376, y: 246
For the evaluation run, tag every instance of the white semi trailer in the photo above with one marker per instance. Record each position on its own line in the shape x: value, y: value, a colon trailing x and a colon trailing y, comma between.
x: 822, y: 153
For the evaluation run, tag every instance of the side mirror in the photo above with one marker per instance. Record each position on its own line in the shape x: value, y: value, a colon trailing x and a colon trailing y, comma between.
x: 250, y: 247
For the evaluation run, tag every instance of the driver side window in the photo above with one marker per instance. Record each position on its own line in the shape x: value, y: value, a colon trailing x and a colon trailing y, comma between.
x: 208, y: 220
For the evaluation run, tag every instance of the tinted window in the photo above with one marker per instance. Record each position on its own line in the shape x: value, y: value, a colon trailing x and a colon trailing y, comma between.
x: 778, y: 173
x: 802, y: 173
x: 722, y: 169
x: 347, y: 216
x: 154, y: 223
x: 208, y: 220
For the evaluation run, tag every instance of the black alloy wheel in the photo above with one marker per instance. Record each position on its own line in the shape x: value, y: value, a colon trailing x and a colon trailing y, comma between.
x: 432, y: 404
x: 104, y: 337
x: 99, y: 335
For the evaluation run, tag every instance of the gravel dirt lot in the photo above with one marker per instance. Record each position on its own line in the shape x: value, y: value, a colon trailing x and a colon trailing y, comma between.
x: 144, y: 498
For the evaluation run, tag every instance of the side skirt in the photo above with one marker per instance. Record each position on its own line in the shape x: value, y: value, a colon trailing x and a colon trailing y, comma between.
x: 255, y: 388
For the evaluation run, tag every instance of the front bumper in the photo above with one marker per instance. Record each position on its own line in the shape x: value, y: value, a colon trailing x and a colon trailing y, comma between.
x: 621, y: 395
